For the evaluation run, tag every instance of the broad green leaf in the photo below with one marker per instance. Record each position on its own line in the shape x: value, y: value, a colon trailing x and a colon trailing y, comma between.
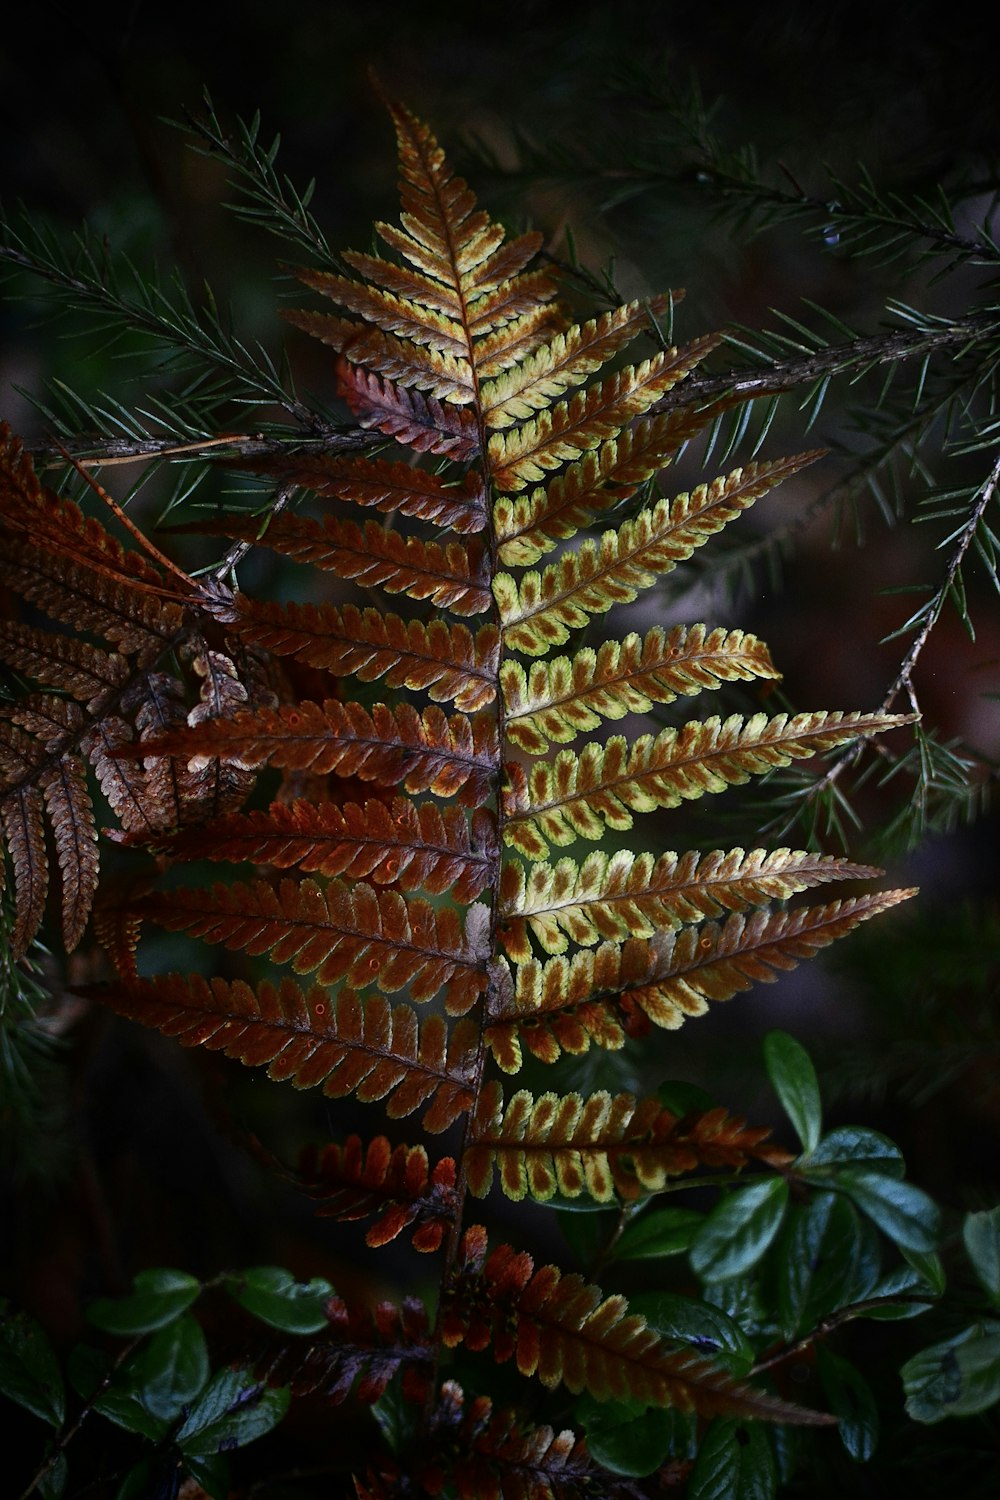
x: 700, y: 1324
x: 625, y: 1436
x: 665, y: 1231
x: 852, y: 1145
x: 903, y: 1212
x: 232, y: 1410
x: 29, y: 1369
x: 739, y: 1229
x: 956, y: 1378
x: 734, y: 1462
x: 273, y: 1295
x: 173, y: 1368
x: 794, y: 1080
x: 851, y: 1400
x: 906, y: 1284
x: 119, y: 1401
x: 981, y: 1234
x: 157, y: 1297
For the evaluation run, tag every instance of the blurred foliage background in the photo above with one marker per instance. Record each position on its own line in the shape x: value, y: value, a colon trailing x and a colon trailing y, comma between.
x: 561, y: 115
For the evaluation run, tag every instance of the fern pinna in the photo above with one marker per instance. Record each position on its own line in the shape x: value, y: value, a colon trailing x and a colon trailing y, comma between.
x: 439, y: 934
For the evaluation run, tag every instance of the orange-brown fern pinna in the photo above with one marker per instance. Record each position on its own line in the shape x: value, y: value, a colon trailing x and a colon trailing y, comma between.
x: 443, y: 893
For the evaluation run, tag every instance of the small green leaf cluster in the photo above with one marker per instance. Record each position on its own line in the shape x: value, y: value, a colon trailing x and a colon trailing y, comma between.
x: 782, y: 1262
x: 161, y: 1385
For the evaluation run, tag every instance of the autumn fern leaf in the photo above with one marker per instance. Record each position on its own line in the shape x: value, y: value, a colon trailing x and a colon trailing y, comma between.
x: 447, y: 661
x: 450, y: 576
x: 346, y: 1046
x: 600, y: 995
x: 385, y: 486
x: 447, y: 755
x: 607, y: 1146
x: 529, y: 525
x: 416, y: 847
x: 543, y: 608
x: 581, y: 795
x: 351, y: 933
x: 396, y: 1184
x: 634, y: 895
x: 562, y: 1330
x: 558, y: 699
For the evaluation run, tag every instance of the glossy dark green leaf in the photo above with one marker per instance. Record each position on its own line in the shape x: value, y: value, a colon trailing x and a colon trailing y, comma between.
x: 955, y: 1378
x: 929, y: 1267
x: 739, y: 1229
x: 157, y: 1297
x: 794, y: 1080
x: 902, y: 1211
x: 981, y: 1236
x: 850, y: 1399
x: 587, y: 1234
x: 29, y: 1369
x: 272, y: 1294
x: 627, y: 1437
x: 232, y: 1410
x: 700, y: 1324
x: 665, y: 1231
x: 173, y: 1368
x: 734, y: 1462
x: 905, y: 1285
x: 852, y: 1145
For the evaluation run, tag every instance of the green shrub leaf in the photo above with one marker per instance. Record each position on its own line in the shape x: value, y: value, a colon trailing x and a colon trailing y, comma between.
x: 981, y: 1235
x: 851, y: 1400
x: 794, y: 1080
x: 29, y: 1369
x: 173, y: 1368
x: 852, y: 1145
x: 739, y: 1229
x: 232, y: 1411
x: 157, y: 1298
x: 700, y: 1324
x: 665, y: 1231
x: 734, y: 1462
x: 903, y: 1212
x: 273, y: 1295
x: 956, y: 1378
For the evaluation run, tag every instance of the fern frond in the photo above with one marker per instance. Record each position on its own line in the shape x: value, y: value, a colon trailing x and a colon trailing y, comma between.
x: 416, y: 847
x: 440, y: 375
x: 562, y: 1330
x: 62, y: 661
x: 357, y: 1355
x: 529, y: 525
x: 565, y: 361
x: 558, y: 699
x: 450, y: 756
x: 490, y: 1454
x: 397, y: 1183
x: 634, y: 895
x: 523, y: 455
x: 545, y: 607
x: 600, y: 995
x: 350, y: 933
x: 421, y: 422
x: 389, y: 487
x: 446, y: 661
x: 450, y: 576
x: 602, y: 1145
x: 346, y: 1046
x: 580, y: 795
